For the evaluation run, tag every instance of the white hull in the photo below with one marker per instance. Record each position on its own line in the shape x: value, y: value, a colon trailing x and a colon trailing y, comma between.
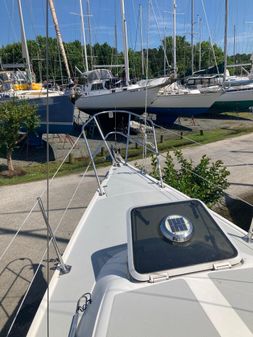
x: 234, y: 100
x: 236, y: 95
x: 185, y: 101
x: 129, y: 98
x: 169, y: 107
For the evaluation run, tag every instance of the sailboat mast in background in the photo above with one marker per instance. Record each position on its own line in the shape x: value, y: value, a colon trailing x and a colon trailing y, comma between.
x: 200, y: 38
x: 225, y: 40
x: 125, y: 43
x: 142, y: 51
x: 59, y: 38
x: 84, y: 38
x: 174, y: 39
x: 89, y: 32
x: 25, y: 53
x: 192, y: 33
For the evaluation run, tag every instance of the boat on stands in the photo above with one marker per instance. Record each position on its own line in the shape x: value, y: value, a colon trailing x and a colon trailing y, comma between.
x: 105, y: 92
x: 175, y: 101
x: 14, y: 84
x: 147, y: 260
x: 21, y: 85
x: 237, y: 91
x: 235, y: 98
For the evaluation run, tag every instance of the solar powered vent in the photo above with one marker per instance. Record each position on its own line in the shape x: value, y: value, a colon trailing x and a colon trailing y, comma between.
x: 176, y: 228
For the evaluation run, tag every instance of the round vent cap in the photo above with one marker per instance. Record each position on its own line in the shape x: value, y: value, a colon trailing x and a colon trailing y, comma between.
x: 176, y: 228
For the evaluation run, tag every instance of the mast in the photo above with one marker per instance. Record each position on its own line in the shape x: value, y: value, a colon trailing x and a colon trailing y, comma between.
x: 192, y: 33
x: 116, y: 36
x: 89, y: 30
x: 84, y: 38
x: 25, y: 52
x: 174, y: 39
x: 59, y: 38
x: 125, y: 44
x: 164, y: 48
x: 142, y: 52
x: 200, y: 38
x: 234, y: 47
x: 225, y: 40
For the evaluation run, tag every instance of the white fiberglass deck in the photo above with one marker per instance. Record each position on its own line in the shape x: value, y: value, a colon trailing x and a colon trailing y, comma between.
x: 123, y: 307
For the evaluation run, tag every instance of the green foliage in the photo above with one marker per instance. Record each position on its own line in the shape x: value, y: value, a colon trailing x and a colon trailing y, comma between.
x: 105, y: 54
x: 205, y: 181
x: 14, y: 116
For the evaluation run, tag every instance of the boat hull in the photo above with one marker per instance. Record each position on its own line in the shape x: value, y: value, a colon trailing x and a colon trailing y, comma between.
x: 169, y: 107
x: 234, y: 100
x: 167, y: 116
x: 129, y: 99
x: 61, y: 111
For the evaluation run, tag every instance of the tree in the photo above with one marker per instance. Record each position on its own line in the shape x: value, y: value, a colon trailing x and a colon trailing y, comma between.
x: 15, y: 116
x: 105, y: 54
x: 205, y: 181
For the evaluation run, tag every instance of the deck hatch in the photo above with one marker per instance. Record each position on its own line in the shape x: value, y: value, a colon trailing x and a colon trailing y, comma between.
x: 177, y: 237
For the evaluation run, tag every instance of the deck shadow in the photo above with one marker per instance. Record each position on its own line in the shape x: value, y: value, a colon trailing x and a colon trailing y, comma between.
x: 35, y: 153
x: 29, y: 307
x: 240, y: 212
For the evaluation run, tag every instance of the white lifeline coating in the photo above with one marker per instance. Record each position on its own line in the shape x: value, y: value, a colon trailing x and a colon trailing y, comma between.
x: 224, y: 318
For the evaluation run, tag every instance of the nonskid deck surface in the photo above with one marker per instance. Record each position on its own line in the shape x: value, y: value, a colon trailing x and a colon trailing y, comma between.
x: 97, y: 253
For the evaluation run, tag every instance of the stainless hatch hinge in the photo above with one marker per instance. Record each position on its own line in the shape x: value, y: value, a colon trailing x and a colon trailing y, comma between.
x: 158, y: 277
x: 219, y: 266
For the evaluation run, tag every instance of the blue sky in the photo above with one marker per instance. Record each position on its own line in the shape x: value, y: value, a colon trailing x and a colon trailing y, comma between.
x: 157, y: 23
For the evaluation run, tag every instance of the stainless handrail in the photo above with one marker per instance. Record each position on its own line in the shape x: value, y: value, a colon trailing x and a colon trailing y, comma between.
x: 127, y: 136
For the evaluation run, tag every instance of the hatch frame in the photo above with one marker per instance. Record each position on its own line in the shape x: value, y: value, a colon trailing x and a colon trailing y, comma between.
x: 210, y: 265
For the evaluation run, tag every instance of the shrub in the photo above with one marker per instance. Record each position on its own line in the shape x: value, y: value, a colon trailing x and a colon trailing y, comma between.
x: 205, y: 181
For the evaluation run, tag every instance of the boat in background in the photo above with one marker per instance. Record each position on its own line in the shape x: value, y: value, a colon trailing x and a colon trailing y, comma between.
x: 237, y: 91
x: 237, y: 99
x: 21, y: 85
x: 175, y: 101
x: 146, y: 260
x: 103, y: 91
x: 14, y: 84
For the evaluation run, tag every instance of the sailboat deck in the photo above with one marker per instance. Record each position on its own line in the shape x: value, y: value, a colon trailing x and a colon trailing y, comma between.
x: 97, y: 254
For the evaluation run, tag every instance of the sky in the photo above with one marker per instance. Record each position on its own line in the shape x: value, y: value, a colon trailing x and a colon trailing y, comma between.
x: 157, y: 21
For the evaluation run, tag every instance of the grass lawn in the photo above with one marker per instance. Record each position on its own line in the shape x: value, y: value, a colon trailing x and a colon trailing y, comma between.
x: 39, y: 171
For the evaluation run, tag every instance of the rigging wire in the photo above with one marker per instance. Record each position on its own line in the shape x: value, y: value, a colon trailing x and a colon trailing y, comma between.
x: 137, y: 30
x: 159, y: 32
x: 65, y: 158
x: 198, y: 143
x: 210, y: 36
x: 146, y: 93
x: 47, y: 188
x: 45, y: 251
x: 10, y: 19
x: 69, y: 203
x: 50, y: 240
x: 201, y: 177
x: 41, y: 195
